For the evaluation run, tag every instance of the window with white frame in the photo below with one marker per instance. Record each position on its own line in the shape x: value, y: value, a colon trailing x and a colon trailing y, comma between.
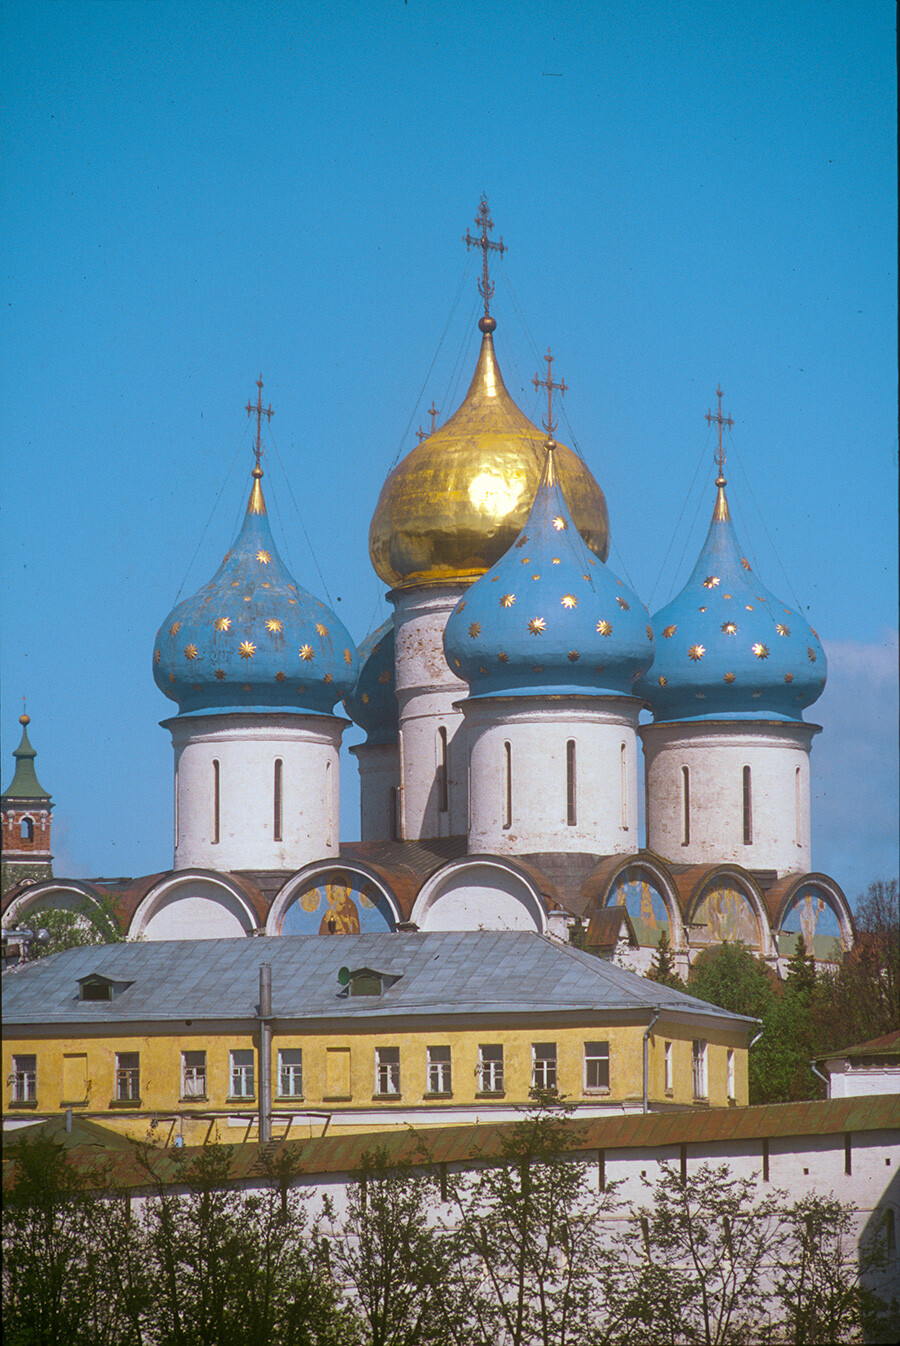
x: 439, y: 1070
x: 387, y: 1070
x: 731, y: 1093
x: 699, y: 1063
x: 670, y: 1069
x: 596, y: 1067
x: 290, y: 1072
x: 128, y: 1076
x: 490, y: 1068
x: 24, y: 1079
x: 193, y: 1074
x: 242, y: 1082
x: 543, y: 1065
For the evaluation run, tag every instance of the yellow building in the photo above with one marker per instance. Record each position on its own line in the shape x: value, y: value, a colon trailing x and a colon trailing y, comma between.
x: 353, y: 1032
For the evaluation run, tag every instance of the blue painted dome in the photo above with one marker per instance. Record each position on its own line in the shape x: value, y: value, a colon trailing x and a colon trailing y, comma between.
x: 549, y: 618
x: 373, y: 702
x: 726, y: 647
x: 252, y: 639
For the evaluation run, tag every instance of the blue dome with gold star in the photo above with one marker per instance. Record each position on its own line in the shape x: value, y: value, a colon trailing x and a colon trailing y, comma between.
x: 373, y: 702
x: 252, y: 639
x: 726, y: 647
x: 549, y: 618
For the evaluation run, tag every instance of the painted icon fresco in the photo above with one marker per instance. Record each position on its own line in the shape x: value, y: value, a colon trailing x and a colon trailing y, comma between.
x: 727, y: 913
x: 812, y: 916
x: 644, y: 904
x: 341, y: 904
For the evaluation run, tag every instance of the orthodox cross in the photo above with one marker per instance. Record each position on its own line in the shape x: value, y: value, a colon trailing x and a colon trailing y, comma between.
x: 423, y: 434
x: 720, y: 420
x: 484, y: 222
x: 260, y: 412
x: 561, y: 387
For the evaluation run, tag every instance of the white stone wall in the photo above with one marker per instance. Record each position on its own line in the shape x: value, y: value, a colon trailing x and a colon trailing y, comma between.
x: 528, y: 809
x: 379, y: 776
x: 865, y: 1080
x: 715, y: 755
x: 246, y: 747
x: 426, y: 692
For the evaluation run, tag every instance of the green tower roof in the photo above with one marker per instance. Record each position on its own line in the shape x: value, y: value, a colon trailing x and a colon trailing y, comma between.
x: 25, y: 784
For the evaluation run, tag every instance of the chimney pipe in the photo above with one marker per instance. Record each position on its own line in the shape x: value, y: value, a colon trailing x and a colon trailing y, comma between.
x: 265, y: 1052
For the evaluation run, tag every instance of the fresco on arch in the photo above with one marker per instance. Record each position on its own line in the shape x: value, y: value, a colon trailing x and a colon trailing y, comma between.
x: 644, y: 903
x: 812, y: 916
x: 728, y: 914
x: 338, y: 904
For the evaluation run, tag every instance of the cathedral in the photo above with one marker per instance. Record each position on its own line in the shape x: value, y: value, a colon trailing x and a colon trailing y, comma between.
x: 501, y: 705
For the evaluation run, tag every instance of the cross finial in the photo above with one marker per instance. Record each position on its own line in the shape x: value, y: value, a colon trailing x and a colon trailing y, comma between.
x: 260, y: 412
x: 561, y: 387
x: 720, y: 420
x: 484, y: 222
x: 432, y: 412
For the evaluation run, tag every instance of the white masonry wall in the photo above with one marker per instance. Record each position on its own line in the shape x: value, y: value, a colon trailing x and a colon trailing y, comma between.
x: 379, y: 790
x: 246, y: 747
x: 715, y: 755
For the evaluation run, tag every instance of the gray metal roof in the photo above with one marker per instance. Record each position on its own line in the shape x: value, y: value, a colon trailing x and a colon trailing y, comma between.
x: 446, y: 973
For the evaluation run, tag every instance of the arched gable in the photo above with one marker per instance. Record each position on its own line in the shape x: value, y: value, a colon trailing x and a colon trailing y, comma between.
x: 645, y: 889
x: 726, y: 904
x: 194, y: 904
x: 327, y: 898
x: 480, y: 892
x: 815, y: 907
x: 83, y: 901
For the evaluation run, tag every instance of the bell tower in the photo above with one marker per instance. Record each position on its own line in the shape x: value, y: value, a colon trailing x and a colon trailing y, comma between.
x: 26, y: 811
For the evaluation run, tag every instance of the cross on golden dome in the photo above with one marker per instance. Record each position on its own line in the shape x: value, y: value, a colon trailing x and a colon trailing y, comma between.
x: 484, y: 222
x: 720, y: 420
x: 423, y: 434
x: 260, y: 412
x: 561, y: 387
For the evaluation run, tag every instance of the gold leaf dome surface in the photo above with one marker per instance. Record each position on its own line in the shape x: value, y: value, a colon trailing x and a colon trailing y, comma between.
x: 458, y: 501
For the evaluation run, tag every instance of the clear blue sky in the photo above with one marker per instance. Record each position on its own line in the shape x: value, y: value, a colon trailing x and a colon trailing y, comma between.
x: 195, y: 193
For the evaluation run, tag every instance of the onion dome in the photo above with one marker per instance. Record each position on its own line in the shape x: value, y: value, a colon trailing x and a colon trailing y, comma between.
x: 726, y: 647
x: 373, y: 702
x: 25, y: 784
x: 549, y: 617
x: 251, y: 639
x: 457, y: 501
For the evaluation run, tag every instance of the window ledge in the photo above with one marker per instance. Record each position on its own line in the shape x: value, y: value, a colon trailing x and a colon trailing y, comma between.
x: 701, y: 1102
x: 73, y: 1102
x: 24, y: 1103
x: 439, y: 1093
x: 597, y: 1093
x: 491, y: 1093
x: 125, y: 1103
x: 193, y: 1098
x: 337, y: 1098
x: 289, y: 1098
x: 387, y: 1098
x: 241, y: 1098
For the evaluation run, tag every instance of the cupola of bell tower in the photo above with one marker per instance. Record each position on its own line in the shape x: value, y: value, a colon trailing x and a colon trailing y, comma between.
x: 26, y: 820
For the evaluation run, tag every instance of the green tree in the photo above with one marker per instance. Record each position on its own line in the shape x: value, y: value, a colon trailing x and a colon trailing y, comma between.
x: 860, y: 1000
x: 662, y: 970
x: 70, y: 929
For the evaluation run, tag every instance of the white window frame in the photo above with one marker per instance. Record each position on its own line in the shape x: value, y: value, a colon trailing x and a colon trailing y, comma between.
x: 24, y: 1079
x: 290, y: 1072
x: 731, y: 1075
x: 438, y: 1069
x: 596, y: 1054
x: 670, y: 1068
x: 490, y: 1067
x: 193, y: 1075
x: 128, y: 1077
x: 543, y: 1065
x: 699, y: 1054
x: 387, y: 1072
x: 242, y: 1072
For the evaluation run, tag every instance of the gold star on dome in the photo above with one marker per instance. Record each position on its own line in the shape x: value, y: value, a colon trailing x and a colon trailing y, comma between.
x: 789, y: 677
x: 761, y: 651
x: 171, y: 677
x: 293, y: 602
x: 649, y: 632
x: 605, y: 628
x: 327, y: 677
x: 526, y: 560
x: 756, y: 694
x: 307, y: 653
x: 274, y: 625
x: 475, y: 629
x: 280, y: 677
x: 536, y: 625
x: 245, y: 687
x: 726, y: 595
x: 235, y: 583
x: 247, y: 649
x: 782, y: 630
x: 263, y: 557
x: 558, y: 562
x: 669, y: 631
x: 156, y: 656
x: 537, y: 668
x: 729, y: 628
x: 265, y: 585
x: 190, y: 651
x: 507, y: 600
x: 622, y: 604
x: 365, y: 698
x: 481, y: 668
x: 663, y: 680
x: 456, y: 661
x: 810, y: 654
x: 535, y: 577
x: 696, y: 652
x: 461, y: 606
x: 196, y: 686
x: 574, y: 656
x: 729, y: 677
x: 711, y: 581
x: 503, y: 657
x: 522, y: 540
x: 220, y: 674
x: 749, y: 607
x: 226, y: 557
x: 348, y: 657
x: 174, y: 628
x: 559, y: 523
x: 223, y: 623
x: 384, y: 677
x: 701, y: 609
x: 745, y: 563
x: 569, y: 601
x: 322, y: 630
x: 586, y: 577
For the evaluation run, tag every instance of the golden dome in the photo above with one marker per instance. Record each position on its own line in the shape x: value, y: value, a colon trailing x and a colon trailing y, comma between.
x: 459, y: 500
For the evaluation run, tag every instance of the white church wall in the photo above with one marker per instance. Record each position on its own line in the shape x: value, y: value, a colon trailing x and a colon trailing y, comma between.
x: 379, y: 786
x: 478, y: 894
x: 192, y: 907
